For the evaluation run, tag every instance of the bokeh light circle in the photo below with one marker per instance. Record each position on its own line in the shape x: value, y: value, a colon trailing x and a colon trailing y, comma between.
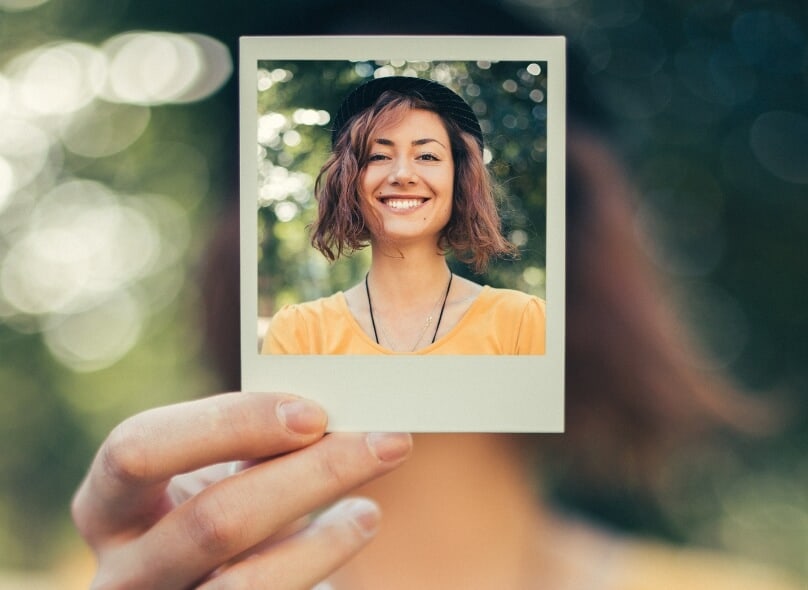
x: 97, y: 337
x: 20, y: 5
x: 779, y: 140
x: 102, y: 129
x: 150, y: 68
x: 57, y: 79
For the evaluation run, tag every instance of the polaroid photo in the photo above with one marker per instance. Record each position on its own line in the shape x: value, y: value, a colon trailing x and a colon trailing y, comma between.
x: 366, y: 148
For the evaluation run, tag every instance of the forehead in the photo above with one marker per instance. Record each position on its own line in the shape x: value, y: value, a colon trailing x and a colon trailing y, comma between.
x: 418, y: 123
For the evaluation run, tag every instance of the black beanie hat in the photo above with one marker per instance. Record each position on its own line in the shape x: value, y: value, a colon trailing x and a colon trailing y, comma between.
x: 447, y: 103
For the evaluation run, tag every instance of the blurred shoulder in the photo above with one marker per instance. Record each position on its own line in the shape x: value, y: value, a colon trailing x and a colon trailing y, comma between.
x: 599, y: 557
x: 646, y: 565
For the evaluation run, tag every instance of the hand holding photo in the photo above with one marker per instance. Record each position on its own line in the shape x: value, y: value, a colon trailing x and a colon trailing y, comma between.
x: 436, y: 220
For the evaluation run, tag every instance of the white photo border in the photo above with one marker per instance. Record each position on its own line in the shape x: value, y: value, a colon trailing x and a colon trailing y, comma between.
x: 468, y: 393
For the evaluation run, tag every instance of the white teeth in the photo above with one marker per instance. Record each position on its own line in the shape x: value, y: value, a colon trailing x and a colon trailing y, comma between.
x: 403, y: 203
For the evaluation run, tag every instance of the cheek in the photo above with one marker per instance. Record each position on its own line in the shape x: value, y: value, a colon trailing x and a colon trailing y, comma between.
x: 368, y: 181
x: 447, y: 210
x: 363, y: 183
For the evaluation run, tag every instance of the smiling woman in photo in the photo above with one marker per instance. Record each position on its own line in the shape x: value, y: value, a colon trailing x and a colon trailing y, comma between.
x: 406, y: 176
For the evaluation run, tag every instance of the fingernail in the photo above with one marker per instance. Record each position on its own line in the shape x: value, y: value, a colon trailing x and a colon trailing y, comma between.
x: 301, y: 416
x: 389, y: 446
x: 365, y: 514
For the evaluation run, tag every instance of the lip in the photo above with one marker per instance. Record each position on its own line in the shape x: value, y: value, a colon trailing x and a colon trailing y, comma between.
x: 402, y: 203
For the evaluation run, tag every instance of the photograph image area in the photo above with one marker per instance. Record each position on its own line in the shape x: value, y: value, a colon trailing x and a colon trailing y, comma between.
x: 449, y: 234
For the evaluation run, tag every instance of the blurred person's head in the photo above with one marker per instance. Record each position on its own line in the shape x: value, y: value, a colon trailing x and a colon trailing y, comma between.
x: 633, y: 391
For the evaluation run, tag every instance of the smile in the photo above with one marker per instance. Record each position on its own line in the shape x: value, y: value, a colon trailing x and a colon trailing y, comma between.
x: 403, y: 203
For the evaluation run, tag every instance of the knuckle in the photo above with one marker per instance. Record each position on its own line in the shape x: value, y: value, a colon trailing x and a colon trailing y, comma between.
x: 333, y: 471
x: 342, y: 535
x: 349, y: 524
x: 243, y: 421
x: 212, y: 527
x: 240, y: 422
x: 124, y: 456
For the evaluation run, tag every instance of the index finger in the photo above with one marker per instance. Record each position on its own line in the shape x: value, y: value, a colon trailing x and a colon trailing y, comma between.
x: 125, y: 486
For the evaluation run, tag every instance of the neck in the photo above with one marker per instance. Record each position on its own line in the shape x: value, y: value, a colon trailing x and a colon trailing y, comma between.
x: 409, y: 278
x: 406, y: 297
x: 461, y: 513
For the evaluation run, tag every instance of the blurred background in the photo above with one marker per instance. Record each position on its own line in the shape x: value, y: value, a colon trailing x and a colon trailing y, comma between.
x: 118, y: 159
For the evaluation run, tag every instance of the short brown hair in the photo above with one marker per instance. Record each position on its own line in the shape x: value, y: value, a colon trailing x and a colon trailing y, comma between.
x: 634, y: 391
x: 473, y: 232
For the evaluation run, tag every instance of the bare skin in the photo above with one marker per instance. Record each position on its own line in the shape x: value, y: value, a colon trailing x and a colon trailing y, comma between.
x: 146, y: 534
x: 464, y: 512
x: 162, y: 508
x: 461, y: 514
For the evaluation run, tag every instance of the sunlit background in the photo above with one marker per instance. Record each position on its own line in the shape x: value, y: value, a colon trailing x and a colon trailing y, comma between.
x: 117, y: 157
x: 89, y: 250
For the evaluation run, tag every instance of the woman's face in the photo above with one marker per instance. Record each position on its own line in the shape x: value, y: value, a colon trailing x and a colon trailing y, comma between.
x: 408, y: 181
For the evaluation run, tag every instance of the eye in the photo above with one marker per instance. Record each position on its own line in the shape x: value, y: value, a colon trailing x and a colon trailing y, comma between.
x: 378, y: 157
x: 429, y: 157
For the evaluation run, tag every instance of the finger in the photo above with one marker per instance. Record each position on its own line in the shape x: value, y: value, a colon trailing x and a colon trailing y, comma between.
x: 188, y: 485
x: 239, y: 512
x: 125, y: 486
x: 284, y: 532
x: 308, y: 557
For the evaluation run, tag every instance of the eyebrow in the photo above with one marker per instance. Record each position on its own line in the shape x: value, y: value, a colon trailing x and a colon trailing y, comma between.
x: 415, y: 142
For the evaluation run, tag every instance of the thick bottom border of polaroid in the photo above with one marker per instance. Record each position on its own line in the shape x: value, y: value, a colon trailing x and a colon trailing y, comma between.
x: 423, y: 394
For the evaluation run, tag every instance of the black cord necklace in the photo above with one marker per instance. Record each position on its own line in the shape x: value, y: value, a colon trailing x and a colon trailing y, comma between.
x: 440, y: 315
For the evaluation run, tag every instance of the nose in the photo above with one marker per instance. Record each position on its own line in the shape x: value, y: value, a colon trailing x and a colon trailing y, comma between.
x: 402, y: 173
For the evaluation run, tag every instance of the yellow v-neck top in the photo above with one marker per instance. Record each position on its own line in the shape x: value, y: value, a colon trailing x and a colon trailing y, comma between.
x: 499, y: 321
